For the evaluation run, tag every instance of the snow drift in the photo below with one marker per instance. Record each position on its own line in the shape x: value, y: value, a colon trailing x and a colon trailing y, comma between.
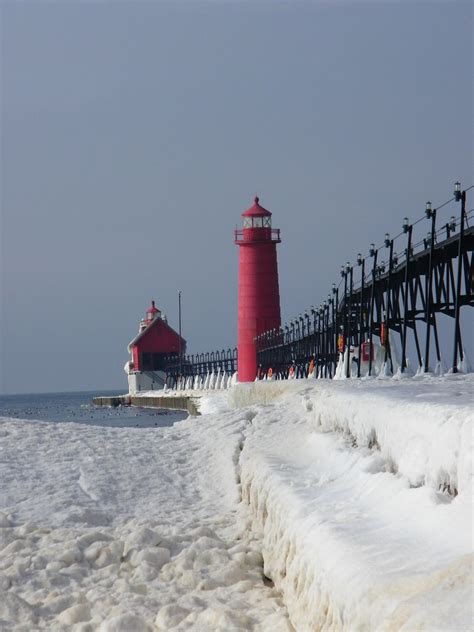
x: 352, y: 497
x: 361, y: 491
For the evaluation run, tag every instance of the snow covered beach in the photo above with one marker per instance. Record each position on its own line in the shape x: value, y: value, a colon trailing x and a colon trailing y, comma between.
x: 353, y: 498
x: 126, y: 529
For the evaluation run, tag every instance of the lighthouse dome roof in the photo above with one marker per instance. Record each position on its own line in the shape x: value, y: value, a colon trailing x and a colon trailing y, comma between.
x: 256, y: 210
x: 153, y: 309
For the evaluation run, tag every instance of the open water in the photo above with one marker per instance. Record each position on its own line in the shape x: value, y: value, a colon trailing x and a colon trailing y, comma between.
x: 78, y: 408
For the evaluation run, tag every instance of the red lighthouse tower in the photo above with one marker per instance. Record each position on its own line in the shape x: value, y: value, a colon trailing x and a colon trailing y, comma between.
x: 259, y: 295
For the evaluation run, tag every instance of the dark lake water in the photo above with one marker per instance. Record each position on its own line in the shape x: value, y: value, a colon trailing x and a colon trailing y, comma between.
x: 78, y: 408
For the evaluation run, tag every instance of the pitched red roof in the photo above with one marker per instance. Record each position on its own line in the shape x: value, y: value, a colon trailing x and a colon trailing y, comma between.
x: 256, y: 210
x: 151, y: 326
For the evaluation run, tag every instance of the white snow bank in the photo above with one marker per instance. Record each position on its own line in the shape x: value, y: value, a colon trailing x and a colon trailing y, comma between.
x: 423, y: 428
x: 352, y: 486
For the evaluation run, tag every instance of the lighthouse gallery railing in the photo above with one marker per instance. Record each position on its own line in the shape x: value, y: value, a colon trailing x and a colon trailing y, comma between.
x: 249, y: 234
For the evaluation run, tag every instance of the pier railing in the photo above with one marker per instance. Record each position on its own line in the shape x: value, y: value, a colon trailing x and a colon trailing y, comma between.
x: 184, y: 370
x: 403, y: 284
x: 386, y: 305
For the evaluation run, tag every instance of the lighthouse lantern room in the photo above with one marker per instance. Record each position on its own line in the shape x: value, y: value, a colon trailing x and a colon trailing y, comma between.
x: 259, y: 294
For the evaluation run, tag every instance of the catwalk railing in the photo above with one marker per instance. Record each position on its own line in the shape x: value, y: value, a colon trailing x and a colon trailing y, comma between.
x: 386, y: 300
x: 186, y: 369
x: 375, y: 314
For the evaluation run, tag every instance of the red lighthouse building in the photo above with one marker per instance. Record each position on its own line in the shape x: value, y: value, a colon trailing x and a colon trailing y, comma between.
x: 259, y: 295
x: 155, y: 341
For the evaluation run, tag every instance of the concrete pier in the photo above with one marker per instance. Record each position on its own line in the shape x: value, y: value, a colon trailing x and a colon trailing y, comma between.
x: 167, y: 402
x: 111, y: 402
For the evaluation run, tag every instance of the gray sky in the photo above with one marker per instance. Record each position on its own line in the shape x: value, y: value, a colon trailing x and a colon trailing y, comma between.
x: 135, y: 133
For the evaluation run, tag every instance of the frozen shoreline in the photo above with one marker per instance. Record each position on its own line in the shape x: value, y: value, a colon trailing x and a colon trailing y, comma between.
x: 122, y: 529
x: 357, y: 493
x: 366, y: 520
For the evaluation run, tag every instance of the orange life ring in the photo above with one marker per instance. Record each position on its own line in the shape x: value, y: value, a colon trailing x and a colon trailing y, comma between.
x: 270, y: 373
x: 292, y: 371
x: 383, y: 334
x: 341, y: 343
x: 311, y: 367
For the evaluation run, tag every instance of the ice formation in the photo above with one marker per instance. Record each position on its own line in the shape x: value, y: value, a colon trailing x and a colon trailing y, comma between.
x: 306, y: 505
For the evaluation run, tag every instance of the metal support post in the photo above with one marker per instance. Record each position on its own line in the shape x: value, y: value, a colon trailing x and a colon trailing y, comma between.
x: 336, y: 328
x: 361, y: 315
x: 428, y: 292
x: 388, y: 351
x: 348, y: 353
x: 344, y: 320
x: 405, y: 307
x: 371, y: 309
x: 457, y: 304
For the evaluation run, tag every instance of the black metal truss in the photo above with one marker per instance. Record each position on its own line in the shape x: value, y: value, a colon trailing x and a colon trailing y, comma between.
x: 392, y: 297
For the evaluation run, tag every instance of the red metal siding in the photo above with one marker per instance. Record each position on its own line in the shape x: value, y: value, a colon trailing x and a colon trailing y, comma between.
x: 136, y: 361
x: 259, y: 296
x: 158, y: 338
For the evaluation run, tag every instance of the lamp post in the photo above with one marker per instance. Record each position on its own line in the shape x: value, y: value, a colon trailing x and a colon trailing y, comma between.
x: 349, y: 308
x: 330, y: 332
x: 301, y: 343
x: 457, y: 192
x: 429, y: 242
x: 459, y: 196
x: 307, y: 341
x: 301, y: 319
x: 373, y: 252
x: 323, y: 339
x: 313, y: 337
x: 408, y: 230
x: 344, y: 318
x: 327, y: 304
x: 361, y: 263
x: 297, y: 328
x: 450, y: 226
x: 335, y: 292
x: 391, y: 261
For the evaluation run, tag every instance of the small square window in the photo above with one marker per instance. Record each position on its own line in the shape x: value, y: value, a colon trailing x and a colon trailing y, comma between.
x: 267, y: 222
x: 257, y: 222
x: 247, y: 222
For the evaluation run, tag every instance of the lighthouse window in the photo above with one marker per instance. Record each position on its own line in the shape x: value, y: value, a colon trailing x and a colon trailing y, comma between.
x: 247, y: 222
x: 258, y: 222
x: 267, y: 222
x: 147, y: 361
x: 153, y: 361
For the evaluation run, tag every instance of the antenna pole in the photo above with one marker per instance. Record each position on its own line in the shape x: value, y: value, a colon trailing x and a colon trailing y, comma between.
x: 179, y: 319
